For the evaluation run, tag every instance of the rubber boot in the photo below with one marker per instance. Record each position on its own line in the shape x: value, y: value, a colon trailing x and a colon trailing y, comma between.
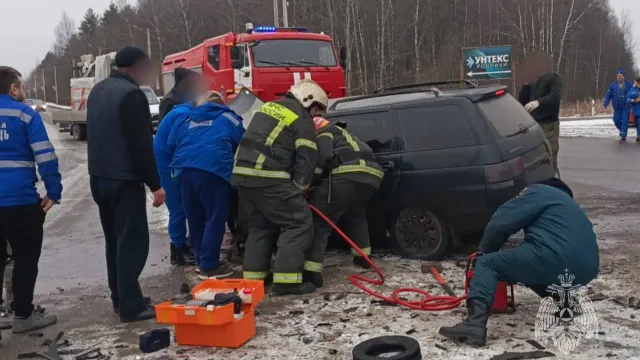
x: 474, y: 329
x: 313, y: 277
x: 293, y: 289
x: 361, y: 262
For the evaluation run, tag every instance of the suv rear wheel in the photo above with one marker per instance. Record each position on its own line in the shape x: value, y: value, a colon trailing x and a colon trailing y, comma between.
x: 420, y: 234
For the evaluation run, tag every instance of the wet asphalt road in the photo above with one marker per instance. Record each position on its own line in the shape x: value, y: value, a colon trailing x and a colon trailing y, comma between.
x: 73, y: 252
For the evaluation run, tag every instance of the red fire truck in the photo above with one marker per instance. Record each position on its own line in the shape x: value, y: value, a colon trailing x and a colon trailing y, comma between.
x: 265, y: 59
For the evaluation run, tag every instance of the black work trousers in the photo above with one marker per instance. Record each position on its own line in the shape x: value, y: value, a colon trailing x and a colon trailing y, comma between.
x: 22, y: 227
x: 347, y: 209
x: 123, y: 214
x: 276, y: 214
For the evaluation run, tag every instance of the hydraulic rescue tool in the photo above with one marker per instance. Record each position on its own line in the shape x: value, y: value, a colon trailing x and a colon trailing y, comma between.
x: 429, y: 302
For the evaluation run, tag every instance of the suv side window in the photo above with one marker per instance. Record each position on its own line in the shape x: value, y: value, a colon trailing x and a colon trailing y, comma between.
x: 435, y: 127
x: 377, y: 129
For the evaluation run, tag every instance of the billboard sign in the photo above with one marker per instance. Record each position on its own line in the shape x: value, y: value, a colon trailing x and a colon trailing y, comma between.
x: 487, y: 63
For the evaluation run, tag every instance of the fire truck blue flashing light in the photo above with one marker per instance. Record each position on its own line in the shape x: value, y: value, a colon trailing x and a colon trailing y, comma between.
x: 265, y: 29
x: 268, y: 29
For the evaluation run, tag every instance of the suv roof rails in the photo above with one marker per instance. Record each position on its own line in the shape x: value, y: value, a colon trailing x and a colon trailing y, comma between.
x: 467, y: 83
x: 478, y: 94
x: 381, y: 94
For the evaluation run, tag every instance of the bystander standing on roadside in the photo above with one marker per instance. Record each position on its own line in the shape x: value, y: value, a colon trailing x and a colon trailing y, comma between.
x: 24, y: 143
x: 633, y: 98
x: 541, y: 95
x: 617, y: 96
x: 121, y: 162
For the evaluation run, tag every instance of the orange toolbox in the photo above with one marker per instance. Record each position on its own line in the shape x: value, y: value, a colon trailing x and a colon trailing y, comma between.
x: 230, y: 325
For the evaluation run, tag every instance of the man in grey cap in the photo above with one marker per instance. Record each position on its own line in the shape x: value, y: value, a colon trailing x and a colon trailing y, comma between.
x: 121, y: 163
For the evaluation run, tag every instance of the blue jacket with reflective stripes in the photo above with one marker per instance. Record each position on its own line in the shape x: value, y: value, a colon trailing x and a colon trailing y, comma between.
x: 23, y: 144
x: 163, y: 152
x: 618, y: 96
x: 206, y: 140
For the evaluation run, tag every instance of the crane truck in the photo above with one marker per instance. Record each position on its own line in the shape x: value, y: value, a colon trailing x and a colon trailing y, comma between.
x: 88, y: 72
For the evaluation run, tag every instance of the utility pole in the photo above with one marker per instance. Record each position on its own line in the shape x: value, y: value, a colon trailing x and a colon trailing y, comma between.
x: 55, y: 83
x: 276, y: 18
x: 44, y: 87
x: 285, y: 14
x: 148, y: 43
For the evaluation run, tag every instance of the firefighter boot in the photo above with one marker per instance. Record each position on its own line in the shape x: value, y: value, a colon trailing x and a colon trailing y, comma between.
x: 293, y: 289
x: 313, y: 277
x: 182, y: 256
x: 361, y: 262
x: 474, y: 329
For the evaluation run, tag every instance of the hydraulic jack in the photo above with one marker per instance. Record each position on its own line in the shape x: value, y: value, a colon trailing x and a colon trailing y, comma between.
x: 504, y: 298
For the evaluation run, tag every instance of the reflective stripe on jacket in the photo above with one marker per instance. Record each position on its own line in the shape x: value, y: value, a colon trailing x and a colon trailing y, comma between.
x: 23, y: 144
x: 342, y: 153
x: 279, y: 145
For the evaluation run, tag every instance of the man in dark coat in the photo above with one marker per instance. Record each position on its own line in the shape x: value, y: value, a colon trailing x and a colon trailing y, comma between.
x: 541, y: 96
x: 558, y: 240
x: 121, y: 163
x: 186, y: 88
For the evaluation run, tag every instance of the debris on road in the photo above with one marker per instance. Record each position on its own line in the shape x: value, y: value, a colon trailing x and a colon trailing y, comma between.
x: 523, y: 355
x: 535, y: 344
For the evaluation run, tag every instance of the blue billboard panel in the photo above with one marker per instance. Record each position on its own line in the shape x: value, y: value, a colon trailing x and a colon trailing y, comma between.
x: 487, y: 63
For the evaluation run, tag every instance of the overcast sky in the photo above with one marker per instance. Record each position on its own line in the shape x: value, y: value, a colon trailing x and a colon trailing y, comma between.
x: 27, y: 26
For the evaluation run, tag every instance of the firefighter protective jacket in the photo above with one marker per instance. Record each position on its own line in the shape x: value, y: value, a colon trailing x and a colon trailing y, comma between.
x: 344, y: 155
x: 279, y: 146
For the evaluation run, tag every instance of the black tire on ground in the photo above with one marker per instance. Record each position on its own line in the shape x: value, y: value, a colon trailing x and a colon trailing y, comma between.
x: 418, y: 233
x: 406, y: 348
x: 79, y: 132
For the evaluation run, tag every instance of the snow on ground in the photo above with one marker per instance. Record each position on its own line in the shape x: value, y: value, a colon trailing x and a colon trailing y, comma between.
x: 592, y: 128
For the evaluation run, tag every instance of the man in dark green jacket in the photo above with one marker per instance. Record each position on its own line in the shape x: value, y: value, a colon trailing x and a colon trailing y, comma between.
x: 541, y: 96
x: 558, y: 238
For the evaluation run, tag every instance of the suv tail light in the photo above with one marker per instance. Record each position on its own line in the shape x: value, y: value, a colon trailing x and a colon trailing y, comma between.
x: 505, y: 171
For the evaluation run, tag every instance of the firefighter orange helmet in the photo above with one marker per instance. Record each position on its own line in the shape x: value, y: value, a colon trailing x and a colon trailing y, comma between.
x: 320, y: 122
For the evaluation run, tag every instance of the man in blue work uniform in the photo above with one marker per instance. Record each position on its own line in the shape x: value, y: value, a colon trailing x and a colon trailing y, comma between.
x: 633, y: 98
x: 181, y: 253
x: 24, y: 143
x: 205, y: 143
x: 558, y: 237
x: 617, y: 94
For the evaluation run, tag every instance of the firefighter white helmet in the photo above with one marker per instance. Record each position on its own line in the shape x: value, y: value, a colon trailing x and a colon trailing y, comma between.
x: 308, y: 93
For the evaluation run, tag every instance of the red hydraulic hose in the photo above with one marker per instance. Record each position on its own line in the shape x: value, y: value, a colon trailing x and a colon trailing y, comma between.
x: 429, y: 303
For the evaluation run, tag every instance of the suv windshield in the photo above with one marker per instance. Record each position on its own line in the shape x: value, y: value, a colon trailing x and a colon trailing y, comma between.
x: 151, y: 96
x: 279, y: 53
x: 506, y: 115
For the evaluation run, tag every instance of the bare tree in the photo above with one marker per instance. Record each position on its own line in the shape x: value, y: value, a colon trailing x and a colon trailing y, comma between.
x: 63, y: 33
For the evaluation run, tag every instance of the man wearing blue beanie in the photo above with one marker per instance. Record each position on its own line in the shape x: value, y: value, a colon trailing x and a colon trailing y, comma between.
x: 617, y: 95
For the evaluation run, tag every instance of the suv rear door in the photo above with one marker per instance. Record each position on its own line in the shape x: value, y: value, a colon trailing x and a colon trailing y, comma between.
x: 443, y: 161
x: 380, y: 131
x: 521, y: 141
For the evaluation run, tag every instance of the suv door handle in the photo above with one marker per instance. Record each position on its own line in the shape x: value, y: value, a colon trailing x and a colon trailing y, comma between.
x: 388, y: 166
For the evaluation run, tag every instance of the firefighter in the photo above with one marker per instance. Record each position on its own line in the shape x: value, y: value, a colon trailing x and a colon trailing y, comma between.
x: 274, y: 166
x: 348, y: 177
x: 558, y: 240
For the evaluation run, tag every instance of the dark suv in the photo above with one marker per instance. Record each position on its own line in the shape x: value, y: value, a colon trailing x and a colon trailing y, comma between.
x: 451, y: 157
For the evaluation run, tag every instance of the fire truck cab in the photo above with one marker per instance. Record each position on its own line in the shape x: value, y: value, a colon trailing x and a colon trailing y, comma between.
x: 266, y: 60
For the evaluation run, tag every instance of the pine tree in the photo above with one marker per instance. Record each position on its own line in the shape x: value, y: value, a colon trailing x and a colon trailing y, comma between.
x: 110, y: 14
x: 89, y: 24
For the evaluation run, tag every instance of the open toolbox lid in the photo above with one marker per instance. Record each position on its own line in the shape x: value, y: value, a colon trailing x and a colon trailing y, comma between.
x: 169, y: 313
